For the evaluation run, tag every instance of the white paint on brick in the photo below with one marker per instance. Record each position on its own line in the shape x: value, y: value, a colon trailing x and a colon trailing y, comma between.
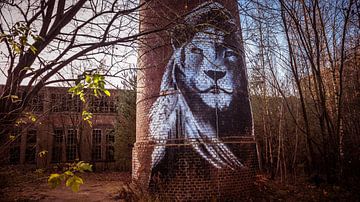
x: 201, y: 66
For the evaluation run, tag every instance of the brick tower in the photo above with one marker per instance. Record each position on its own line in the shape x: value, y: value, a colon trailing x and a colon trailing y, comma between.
x: 194, y: 137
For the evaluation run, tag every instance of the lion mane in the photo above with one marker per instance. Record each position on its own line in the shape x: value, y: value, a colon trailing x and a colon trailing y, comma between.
x: 170, y: 107
x: 177, y: 117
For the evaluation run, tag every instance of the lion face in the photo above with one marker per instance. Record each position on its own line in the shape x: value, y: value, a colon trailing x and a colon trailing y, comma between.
x: 207, y: 68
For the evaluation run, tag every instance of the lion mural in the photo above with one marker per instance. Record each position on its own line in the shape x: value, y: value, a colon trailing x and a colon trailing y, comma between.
x: 203, y: 94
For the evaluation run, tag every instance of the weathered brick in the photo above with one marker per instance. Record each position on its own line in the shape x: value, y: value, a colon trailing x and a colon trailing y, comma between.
x: 183, y: 173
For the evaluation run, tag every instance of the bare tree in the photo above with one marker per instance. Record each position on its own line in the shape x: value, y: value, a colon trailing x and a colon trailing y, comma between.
x: 315, y: 44
x: 321, y: 35
x: 46, y: 41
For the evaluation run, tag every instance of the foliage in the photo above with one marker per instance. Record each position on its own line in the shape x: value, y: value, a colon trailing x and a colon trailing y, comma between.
x: 93, y: 81
x: 96, y: 83
x: 20, y: 37
x: 70, y: 177
x: 48, y: 42
x: 125, y: 129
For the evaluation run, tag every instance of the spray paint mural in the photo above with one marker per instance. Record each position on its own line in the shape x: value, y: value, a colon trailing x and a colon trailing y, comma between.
x: 203, y: 94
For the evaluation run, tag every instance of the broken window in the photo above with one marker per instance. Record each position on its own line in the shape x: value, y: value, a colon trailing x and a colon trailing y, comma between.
x: 110, y: 141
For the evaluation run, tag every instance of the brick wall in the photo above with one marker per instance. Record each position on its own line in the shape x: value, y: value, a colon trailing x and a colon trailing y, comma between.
x: 64, y: 116
x: 183, y: 174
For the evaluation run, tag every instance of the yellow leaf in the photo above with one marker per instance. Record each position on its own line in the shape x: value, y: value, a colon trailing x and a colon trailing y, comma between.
x: 87, y: 78
x: 69, y: 173
x: 107, y: 92
x: 54, y: 180
x: 75, y: 187
x: 33, y: 49
x: 16, y: 48
x: 69, y: 181
x: 12, y: 137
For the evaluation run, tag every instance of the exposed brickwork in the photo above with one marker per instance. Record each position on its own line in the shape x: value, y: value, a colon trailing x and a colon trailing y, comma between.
x: 186, y: 176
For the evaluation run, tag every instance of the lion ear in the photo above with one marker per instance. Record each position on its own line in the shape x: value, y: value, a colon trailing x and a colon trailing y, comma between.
x: 179, y: 35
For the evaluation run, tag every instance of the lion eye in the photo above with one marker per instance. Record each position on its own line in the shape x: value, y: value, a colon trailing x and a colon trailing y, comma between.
x: 230, y: 53
x: 196, y: 50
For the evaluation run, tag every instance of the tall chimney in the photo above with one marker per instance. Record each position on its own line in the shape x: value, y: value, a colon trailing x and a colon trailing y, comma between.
x: 194, y: 138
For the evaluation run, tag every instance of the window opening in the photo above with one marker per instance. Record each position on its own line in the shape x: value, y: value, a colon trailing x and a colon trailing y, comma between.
x: 110, y: 141
x: 96, y: 144
x: 71, y: 145
x: 30, y: 152
x: 57, y: 145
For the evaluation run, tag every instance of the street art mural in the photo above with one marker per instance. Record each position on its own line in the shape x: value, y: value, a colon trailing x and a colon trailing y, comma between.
x: 203, y: 94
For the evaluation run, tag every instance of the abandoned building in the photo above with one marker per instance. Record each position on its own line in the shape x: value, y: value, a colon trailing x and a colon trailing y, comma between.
x: 53, y: 130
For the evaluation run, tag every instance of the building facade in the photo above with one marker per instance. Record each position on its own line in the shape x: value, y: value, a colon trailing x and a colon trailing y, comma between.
x: 53, y: 130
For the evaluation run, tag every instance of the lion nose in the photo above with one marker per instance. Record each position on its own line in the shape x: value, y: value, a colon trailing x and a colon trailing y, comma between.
x: 215, y: 75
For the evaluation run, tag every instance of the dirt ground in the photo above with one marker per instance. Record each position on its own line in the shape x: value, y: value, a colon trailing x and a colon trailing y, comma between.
x: 96, y: 187
x: 20, y: 185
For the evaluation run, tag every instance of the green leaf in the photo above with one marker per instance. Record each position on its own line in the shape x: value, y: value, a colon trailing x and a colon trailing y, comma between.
x: 101, y: 84
x: 89, y: 122
x: 16, y: 47
x: 37, y: 37
x: 69, y: 181
x: 107, y: 92
x: 96, y: 78
x: 96, y: 92
x: 87, y: 78
x: 82, y: 166
x: 54, y: 176
x: 33, y: 49
x: 23, y: 40
x: 86, y: 115
x: 69, y: 173
x: 78, y: 180
x: 82, y: 98
x: 75, y: 187
x: 74, y: 183
x: 54, y: 180
x: 72, y: 89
